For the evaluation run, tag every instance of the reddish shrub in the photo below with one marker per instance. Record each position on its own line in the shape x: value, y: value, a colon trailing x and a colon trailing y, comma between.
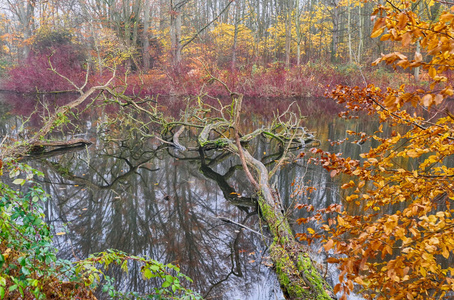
x: 34, y: 74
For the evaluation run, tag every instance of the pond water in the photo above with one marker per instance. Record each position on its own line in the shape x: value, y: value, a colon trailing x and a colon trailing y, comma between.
x: 133, y: 195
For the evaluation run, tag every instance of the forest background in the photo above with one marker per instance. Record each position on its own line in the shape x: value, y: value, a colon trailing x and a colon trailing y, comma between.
x: 260, y: 47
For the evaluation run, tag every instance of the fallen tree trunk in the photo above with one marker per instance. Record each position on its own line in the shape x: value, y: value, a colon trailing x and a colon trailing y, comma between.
x: 44, y: 148
x: 39, y: 147
x: 296, y: 272
x: 298, y: 277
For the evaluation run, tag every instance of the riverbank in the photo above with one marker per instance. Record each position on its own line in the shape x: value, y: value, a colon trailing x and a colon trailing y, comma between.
x: 309, y: 80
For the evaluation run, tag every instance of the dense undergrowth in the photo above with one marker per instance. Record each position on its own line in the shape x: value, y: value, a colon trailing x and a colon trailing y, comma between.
x: 57, y: 62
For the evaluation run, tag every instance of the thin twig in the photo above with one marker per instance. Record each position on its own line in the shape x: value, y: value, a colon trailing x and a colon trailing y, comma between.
x: 4, y: 139
x: 206, y: 26
x: 242, y: 226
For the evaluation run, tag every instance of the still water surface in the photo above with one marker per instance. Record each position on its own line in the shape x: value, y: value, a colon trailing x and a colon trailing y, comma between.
x: 130, y: 194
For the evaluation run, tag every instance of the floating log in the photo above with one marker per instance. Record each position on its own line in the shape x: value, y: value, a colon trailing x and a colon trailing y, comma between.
x: 40, y: 147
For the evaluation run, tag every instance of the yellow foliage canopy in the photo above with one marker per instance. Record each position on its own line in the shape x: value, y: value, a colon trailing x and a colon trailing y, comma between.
x: 223, y: 36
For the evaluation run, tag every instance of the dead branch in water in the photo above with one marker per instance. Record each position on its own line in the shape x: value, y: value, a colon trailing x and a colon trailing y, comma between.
x: 37, y: 141
x: 220, y: 128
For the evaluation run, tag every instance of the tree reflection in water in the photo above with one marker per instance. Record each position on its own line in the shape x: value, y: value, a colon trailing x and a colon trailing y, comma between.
x: 165, y: 205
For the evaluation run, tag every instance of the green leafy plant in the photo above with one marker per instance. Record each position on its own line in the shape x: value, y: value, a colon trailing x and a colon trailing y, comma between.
x: 92, y: 270
x: 28, y: 263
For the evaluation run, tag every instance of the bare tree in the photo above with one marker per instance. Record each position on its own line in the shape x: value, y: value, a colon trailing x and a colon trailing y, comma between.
x: 145, y: 37
x: 24, y: 11
x: 176, y: 10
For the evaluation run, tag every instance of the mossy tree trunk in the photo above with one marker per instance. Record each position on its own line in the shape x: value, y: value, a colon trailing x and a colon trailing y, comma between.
x: 298, y: 277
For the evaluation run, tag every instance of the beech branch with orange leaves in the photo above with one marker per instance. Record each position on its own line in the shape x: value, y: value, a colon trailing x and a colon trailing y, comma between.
x: 400, y: 245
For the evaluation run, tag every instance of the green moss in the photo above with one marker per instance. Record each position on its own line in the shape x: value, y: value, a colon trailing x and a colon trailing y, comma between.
x: 288, y: 274
x: 305, y: 265
x: 277, y: 222
x: 298, y: 277
x: 60, y: 169
x: 218, y: 143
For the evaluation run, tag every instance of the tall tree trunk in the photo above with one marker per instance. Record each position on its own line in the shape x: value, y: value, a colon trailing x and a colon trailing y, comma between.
x: 235, y: 36
x: 349, y: 32
x: 173, y: 36
x: 98, y: 51
x: 162, y: 11
x: 134, y: 21
x: 135, y: 17
x: 416, y: 72
x: 308, y: 37
x: 28, y: 24
x: 145, y: 38
x: 360, y: 39
x: 127, y: 29
x: 288, y: 32
x: 178, y: 38
x: 175, y: 31
x: 335, y: 35
x: 262, y: 28
x: 298, y: 32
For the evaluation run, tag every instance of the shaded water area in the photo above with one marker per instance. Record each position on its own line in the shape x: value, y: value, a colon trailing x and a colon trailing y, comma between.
x: 134, y: 195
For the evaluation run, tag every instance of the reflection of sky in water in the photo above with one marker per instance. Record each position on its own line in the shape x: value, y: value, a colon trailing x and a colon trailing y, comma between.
x: 127, y: 195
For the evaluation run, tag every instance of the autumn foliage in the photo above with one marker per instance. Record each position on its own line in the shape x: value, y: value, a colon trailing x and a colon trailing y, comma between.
x: 399, y: 244
x: 291, y: 48
x: 49, y: 49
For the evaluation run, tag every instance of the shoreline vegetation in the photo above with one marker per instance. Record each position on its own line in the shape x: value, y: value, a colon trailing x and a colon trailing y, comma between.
x: 311, y: 80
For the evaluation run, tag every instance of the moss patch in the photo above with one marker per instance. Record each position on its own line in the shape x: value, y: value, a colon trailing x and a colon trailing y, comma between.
x: 288, y: 274
x: 310, y: 273
x: 298, y: 277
